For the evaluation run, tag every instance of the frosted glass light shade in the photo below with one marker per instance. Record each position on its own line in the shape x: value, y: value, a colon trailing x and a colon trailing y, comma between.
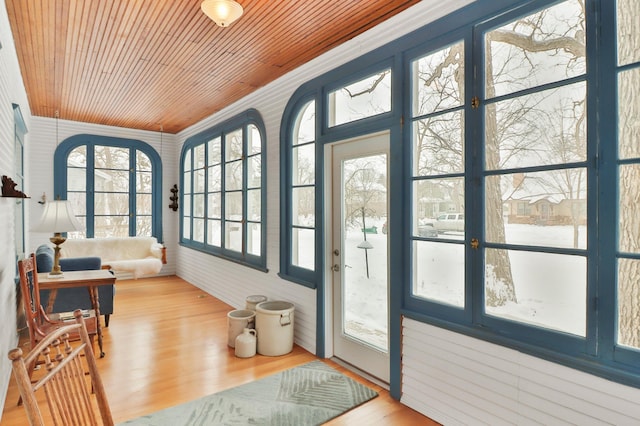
x: 58, y: 217
x: 222, y: 12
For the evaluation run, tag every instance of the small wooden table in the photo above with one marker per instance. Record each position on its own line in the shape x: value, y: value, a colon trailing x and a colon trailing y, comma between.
x: 72, y: 279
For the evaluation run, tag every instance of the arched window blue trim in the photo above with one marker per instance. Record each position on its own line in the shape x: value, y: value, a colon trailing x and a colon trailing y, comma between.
x: 242, y: 120
x: 90, y: 141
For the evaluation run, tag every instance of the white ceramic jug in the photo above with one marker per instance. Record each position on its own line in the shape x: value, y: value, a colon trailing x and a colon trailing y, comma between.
x: 246, y: 343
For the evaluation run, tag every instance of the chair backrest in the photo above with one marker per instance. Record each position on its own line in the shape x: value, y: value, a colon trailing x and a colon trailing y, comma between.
x: 30, y: 289
x: 66, y: 388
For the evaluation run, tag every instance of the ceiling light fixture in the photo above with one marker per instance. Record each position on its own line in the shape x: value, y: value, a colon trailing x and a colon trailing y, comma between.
x: 222, y: 12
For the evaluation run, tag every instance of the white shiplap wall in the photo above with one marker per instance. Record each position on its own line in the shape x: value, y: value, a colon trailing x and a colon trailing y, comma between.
x: 11, y: 91
x: 459, y: 380
x: 231, y: 282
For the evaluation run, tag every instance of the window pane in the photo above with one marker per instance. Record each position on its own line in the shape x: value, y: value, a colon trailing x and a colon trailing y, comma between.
x: 518, y: 58
x: 541, y: 209
x: 438, y: 273
x: 143, y: 163
x: 628, y: 34
x: 187, y: 160
x: 187, y: 183
x: 254, y: 141
x: 233, y: 206
x: 215, y: 151
x: 198, y: 230
x: 233, y: 236
x: 186, y: 205
x: 438, y: 80
x: 78, y: 157
x: 253, y: 238
x: 107, y: 203
x: 214, y: 233
x: 78, y: 202
x: 628, y: 218
x: 198, y: 205
x: 628, y: 125
x: 143, y: 182
x: 215, y: 178
x: 109, y: 157
x: 186, y: 228
x: 550, y: 289
x: 198, y: 157
x: 233, y: 176
x: 547, y: 127
x: 305, y: 127
x: 303, y: 206
x: 233, y: 145
x: 143, y: 226
x: 111, y: 226
x: 76, y: 179
x: 303, y: 248
x: 198, y: 180
x: 433, y: 198
x: 214, y: 208
x: 438, y: 144
x: 254, y: 205
x: 111, y: 180
x: 628, y: 302
x: 254, y: 170
x: 365, y: 98
x: 143, y: 204
x: 304, y: 164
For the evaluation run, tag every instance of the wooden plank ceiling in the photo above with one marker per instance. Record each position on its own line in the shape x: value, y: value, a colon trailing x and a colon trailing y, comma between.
x: 144, y: 64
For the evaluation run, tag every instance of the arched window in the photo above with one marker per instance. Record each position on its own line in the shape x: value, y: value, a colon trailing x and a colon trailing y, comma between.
x: 223, y: 191
x: 113, y: 184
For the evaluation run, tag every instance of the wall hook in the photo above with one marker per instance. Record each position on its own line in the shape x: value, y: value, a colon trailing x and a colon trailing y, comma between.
x: 174, y: 198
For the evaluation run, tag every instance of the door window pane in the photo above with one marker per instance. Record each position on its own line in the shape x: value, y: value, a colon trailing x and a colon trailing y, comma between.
x: 518, y: 56
x: 438, y: 80
x: 438, y: 144
x: 303, y: 248
x: 365, y: 98
x: 439, y: 272
x: 550, y: 289
x: 547, y: 127
x: 628, y: 303
x: 628, y: 34
x: 541, y: 208
x: 628, y: 125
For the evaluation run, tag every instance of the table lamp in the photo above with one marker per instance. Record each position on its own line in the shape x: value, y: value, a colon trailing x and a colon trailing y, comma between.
x: 57, y: 218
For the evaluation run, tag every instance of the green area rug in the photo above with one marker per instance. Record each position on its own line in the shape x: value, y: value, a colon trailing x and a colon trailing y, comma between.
x: 310, y: 394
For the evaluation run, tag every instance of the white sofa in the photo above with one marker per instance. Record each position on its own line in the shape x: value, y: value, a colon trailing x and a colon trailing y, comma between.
x: 137, y: 256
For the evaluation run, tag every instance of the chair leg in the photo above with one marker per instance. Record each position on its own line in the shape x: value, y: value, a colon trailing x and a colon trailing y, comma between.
x: 106, y: 320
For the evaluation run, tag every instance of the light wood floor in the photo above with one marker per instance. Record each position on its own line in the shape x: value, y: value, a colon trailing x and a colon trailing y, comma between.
x: 167, y: 344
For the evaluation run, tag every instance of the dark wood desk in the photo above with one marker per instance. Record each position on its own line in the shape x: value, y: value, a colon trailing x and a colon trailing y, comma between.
x: 90, y: 279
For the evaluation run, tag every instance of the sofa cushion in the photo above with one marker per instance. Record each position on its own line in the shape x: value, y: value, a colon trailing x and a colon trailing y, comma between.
x: 136, y: 255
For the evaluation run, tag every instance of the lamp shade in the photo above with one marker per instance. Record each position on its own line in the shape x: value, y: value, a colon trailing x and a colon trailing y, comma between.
x: 222, y: 12
x: 58, y: 217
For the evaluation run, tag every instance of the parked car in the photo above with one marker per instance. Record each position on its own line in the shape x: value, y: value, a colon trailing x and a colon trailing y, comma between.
x: 427, y: 230
x: 449, y: 222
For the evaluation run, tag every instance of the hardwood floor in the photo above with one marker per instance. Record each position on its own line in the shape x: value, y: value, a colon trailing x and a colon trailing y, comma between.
x: 167, y: 344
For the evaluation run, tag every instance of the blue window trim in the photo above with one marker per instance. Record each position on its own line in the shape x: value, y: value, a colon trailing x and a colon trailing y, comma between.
x: 597, y: 353
x: 242, y: 120
x: 90, y: 141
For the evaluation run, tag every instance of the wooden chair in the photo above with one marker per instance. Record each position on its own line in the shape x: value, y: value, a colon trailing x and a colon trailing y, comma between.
x: 67, y: 390
x: 39, y: 324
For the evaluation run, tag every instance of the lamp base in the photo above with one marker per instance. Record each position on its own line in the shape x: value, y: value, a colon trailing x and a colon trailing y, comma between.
x: 57, y: 239
x: 52, y: 275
